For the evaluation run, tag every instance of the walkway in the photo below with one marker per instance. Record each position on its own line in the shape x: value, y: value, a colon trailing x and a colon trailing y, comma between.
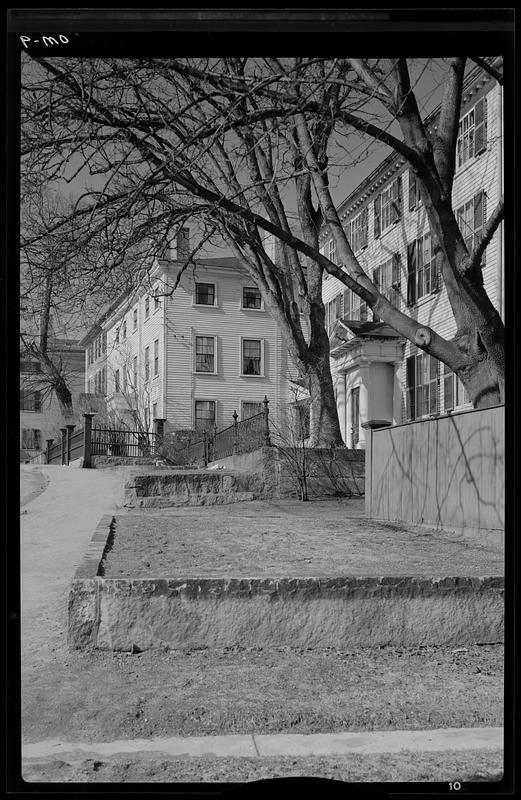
x: 315, y: 744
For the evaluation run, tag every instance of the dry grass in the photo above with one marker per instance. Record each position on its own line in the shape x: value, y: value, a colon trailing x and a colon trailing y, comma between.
x: 463, y: 766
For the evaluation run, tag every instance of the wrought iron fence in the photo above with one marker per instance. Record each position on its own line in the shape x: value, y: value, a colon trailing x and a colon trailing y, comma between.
x: 54, y: 454
x: 130, y: 444
x: 241, y: 437
x: 76, y: 445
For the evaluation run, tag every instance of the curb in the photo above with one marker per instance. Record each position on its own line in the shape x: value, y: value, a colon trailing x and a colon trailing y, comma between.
x: 266, y: 745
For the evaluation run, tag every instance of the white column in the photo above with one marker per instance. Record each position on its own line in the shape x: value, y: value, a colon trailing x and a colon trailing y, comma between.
x: 364, y: 404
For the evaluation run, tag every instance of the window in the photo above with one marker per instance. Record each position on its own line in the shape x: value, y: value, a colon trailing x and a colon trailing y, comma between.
x: 387, y: 207
x: 331, y: 251
x: 134, y: 377
x: 156, y: 357
x: 30, y: 401
x: 30, y: 366
x: 251, y: 297
x: 204, y: 414
x: 154, y: 411
x: 386, y: 278
x: 104, y: 342
x: 205, y: 354
x: 205, y: 294
x: 252, y: 357
x: 334, y: 310
x: 470, y: 218
x: 472, y: 133
x: 147, y: 307
x: 358, y: 230
x: 354, y: 307
x: 124, y: 330
x: 156, y: 303
x: 147, y: 363
x: 422, y: 386
x: 134, y: 319
x: 250, y: 409
x: 116, y: 338
x: 454, y: 393
x: 422, y: 273
x: 116, y: 381
x: 415, y: 197
x: 31, y: 439
x: 89, y: 386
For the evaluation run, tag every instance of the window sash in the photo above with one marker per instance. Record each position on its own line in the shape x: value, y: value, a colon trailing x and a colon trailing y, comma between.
x: 204, y: 414
x: 205, y: 294
x: 251, y: 297
x: 204, y: 354
x: 30, y: 400
x: 251, y: 357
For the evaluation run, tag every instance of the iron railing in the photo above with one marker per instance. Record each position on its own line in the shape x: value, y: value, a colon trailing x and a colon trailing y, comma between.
x: 130, y: 444
x: 241, y: 437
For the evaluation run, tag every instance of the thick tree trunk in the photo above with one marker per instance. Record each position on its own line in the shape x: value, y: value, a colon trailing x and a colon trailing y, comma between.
x: 324, y: 425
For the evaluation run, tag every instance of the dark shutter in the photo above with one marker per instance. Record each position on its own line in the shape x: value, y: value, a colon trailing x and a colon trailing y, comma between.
x: 411, y: 273
x: 377, y: 206
x: 412, y: 190
x: 411, y: 384
x: 448, y: 388
x: 365, y: 226
x: 347, y: 303
x: 480, y: 126
x: 479, y: 219
x: 395, y: 274
x: 397, y: 198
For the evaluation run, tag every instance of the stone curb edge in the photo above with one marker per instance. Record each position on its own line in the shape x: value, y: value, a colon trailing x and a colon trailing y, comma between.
x: 89, y: 566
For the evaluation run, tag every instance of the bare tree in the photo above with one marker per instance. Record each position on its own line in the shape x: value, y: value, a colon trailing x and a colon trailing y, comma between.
x: 242, y: 147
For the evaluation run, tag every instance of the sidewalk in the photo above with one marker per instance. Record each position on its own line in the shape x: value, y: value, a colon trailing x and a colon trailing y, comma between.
x: 279, y: 744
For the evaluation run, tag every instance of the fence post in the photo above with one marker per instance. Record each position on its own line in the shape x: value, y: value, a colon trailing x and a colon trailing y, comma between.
x: 267, y: 440
x: 48, y: 451
x: 235, y: 431
x: 87, y: 438
x: 370, y: 426
x: 63, y: 432
x: 205, y: 448
x: 70, y: 429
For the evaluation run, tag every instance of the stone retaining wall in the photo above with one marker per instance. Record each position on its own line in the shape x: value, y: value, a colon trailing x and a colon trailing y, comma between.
x: 133, y: 614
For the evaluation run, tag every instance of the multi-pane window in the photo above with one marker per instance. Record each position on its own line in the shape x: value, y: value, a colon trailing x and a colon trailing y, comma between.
x: 100, y: 381
x: 454, y: 393
x: 422, y: 274
x: 156, y: 357
x: 334, y: 310
x: 147, y: 307
x: 472, y: 133
x: 30, y: 401
x: 204, y: 414
x: 205, y: 354
x: 252, y: 357
x: 205, y: 294
x: 422, y: 385
x: 116, y: 381
x: 134, y: 319
x: 388, y: 207
x: 331, y: 251
x: 31, y: 439
x: 386, y: 278
x: 471, y: 218
x: 354, y: 307
x: 116, y: 337
x: 251, y: 297
x: 358, y: 230
x: 250, y: 409
x: 147, y: 363
x: 30, y: 366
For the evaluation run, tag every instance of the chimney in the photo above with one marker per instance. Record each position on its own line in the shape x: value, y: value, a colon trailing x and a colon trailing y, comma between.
x: 180, y: 247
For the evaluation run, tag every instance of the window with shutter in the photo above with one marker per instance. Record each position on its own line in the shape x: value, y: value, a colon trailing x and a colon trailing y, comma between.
x: 377, y: 206
x: 472, y: 133
x: 480, y: 126
x: 411, y: 273
x: 410, y: 373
